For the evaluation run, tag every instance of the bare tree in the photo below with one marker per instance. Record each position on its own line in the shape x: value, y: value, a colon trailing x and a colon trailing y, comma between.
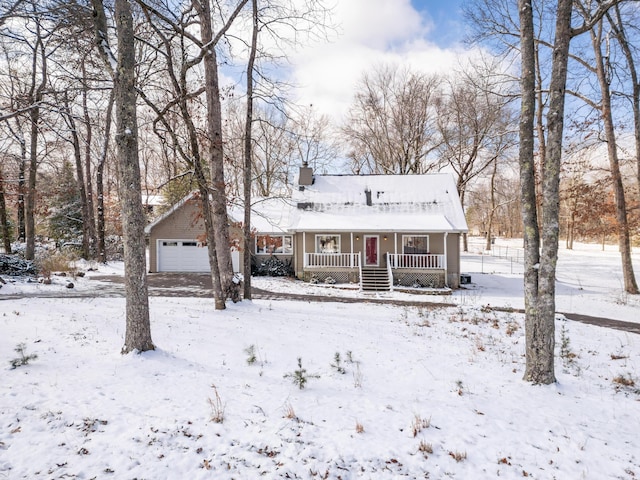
x: 391, y: 125
x: 602, y: 70
x: 475, y: 124
x: 122, y: 69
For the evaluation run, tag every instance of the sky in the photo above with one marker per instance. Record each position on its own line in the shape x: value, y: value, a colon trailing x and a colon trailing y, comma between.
x: 422, y: 34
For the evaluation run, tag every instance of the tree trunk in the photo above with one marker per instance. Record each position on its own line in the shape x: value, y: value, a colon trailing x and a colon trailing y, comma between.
x: 230, y: 286
x: 89, y: 220
x: 493, y: 204
x: 4, y: 222
x: 101, y: 247
x: 21, y: 191
x: 138, y: 328
x: 138, y: 334
x: 30, y: 206
x: 36, y: 95
x: 618, y: 27
x: 248, y: 152
x: 630, y: 284
x: 539, y: 312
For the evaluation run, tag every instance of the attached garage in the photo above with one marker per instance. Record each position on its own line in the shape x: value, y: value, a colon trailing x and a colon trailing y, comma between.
x: 181, y: 256
x: 175, y: 240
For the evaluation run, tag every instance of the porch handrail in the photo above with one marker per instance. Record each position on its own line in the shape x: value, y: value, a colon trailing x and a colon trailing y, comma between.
x: 429, y: 261
x: 322, y: 260
x: 390, y: 272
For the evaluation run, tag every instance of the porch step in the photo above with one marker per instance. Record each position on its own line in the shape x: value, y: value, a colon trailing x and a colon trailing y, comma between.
x: 375, y: 280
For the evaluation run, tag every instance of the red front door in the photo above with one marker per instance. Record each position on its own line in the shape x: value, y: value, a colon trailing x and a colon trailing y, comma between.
x: 371, y: 250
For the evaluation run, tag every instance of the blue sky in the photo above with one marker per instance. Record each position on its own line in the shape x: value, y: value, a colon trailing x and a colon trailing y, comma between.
x: 447, y: 18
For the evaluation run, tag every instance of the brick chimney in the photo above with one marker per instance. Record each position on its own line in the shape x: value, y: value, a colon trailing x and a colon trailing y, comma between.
x: 306, y: 176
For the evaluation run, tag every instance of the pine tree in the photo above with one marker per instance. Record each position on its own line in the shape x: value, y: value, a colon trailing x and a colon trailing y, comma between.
x: 65, y: 221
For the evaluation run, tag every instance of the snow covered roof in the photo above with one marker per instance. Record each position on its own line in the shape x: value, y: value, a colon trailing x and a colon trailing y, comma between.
x: 268, y: 215
x: 340, y: 203
x: 427, y: 202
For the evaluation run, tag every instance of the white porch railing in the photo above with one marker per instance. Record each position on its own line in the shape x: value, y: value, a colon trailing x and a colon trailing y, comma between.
x: 322, y: 260
x: 426, y: 261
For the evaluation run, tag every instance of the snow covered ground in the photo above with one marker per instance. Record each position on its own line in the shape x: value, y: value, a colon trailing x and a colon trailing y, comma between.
x: 418, y: 392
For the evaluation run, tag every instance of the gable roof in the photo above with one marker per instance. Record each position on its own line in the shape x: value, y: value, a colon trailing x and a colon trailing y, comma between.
x: 169, y: 212
x: 398, y: 203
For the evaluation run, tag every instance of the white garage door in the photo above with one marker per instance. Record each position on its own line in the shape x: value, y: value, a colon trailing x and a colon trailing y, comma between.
x: 182, y: 256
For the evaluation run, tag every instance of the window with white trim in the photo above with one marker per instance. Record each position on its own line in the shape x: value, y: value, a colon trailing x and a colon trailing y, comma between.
x: 327, y: 243
x: 415, y: 244
x: 274, y: 244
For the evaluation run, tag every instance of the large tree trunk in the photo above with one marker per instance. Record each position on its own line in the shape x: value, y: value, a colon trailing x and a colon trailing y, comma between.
x: 230, y: 286
x: 138, y: 328
x: 539, y: 325
x: 248, y: 153
x: 138, y: 334
x: 4, y: 222
x: 630, y: 284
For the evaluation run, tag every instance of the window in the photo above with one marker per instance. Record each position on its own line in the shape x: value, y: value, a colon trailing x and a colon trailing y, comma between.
x: 273, y: 244
x: 327, y: 243
x: 415, y: 245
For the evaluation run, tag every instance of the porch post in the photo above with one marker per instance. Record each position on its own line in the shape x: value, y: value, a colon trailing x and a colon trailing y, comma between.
x: 446, y: 282
x: 304, y: 250
x: 395, y: 243
x: 351, y: 256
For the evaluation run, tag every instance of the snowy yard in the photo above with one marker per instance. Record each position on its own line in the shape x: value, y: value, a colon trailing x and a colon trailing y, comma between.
x: 416, y: 393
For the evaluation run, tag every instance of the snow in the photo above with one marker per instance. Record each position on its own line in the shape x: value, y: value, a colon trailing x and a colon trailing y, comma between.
x: 426, y: 384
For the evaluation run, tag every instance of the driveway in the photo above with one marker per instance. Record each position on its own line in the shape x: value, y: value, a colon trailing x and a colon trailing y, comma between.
x: 199, y: 285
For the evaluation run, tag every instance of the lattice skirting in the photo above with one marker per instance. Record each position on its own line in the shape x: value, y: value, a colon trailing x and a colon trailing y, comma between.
x: 321, y: 276
x: 429, y: 279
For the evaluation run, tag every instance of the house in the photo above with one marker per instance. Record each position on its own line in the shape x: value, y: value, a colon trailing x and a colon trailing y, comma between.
x: 377, y: 230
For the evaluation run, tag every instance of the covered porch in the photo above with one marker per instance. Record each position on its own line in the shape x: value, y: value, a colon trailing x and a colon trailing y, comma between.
x: 381, y: 260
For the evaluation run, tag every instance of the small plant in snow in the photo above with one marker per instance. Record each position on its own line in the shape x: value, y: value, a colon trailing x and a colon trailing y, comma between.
x: 217, y: 407
x: 289, y: 412
x: 624, y: 381
x: 357, y: 376
x: 251, y: 354
x: 460, y: 387
x: 566, y: 353
x: 425, y: 448
x: 300, y: 376
x: 23, y: 359
x: 359, y: 427
x: 458, y: 456
x: 337, y: 364
x: 419, y: 424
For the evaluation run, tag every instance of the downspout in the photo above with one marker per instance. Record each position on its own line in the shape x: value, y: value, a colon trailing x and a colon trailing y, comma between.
x: 446, y: 274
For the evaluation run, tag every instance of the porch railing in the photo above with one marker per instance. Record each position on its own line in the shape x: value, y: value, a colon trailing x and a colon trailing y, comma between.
x: 426, y: 261
x: 323, y: 260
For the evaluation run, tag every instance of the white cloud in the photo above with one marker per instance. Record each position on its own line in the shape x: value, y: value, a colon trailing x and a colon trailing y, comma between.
x: 373, y: 32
